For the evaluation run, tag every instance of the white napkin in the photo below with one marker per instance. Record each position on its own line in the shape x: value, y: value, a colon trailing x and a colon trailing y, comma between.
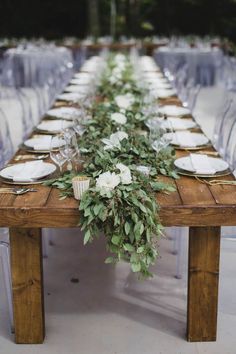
x: 177, y: 123
x: 43, y: 143
x: 54, y: 125
x: 30, y: 171
x: 202, y: 164
x: 184, y: 138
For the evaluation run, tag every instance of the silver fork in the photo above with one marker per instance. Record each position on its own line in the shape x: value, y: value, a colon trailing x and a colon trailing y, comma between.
x: 17, y: 190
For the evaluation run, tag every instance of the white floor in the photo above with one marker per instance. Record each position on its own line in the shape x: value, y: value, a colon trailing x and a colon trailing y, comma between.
x: 93, y: 308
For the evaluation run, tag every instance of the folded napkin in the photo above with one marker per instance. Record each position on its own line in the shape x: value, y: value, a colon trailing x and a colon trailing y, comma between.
x: 177, y: 123
x: 202, y: 164
x: 54, y: 125
x: 184, y: 139
x: 30, y: 171
x: 43, y: 143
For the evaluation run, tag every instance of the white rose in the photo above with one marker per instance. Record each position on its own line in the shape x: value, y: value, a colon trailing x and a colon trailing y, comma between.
x: 125, y: 174
x: 114, y: 140
x: 107, y: 181
x: 124, y: 101
x: 119, y: 118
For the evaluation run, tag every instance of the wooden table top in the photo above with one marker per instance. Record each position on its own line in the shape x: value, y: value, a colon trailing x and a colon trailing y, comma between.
x: 193, y: 204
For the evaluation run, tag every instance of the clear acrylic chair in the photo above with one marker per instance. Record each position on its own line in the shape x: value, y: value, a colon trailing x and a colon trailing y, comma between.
x: 6, y: 270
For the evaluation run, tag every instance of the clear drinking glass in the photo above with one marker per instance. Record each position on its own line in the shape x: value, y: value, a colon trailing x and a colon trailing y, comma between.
x: 55, y: 154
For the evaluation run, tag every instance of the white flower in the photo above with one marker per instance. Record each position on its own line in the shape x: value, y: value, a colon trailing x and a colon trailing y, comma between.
x: 114, y: 140
x: 125, y: 174
x: 107, y: 181
x: 119, y: 118
x: 124, y: 101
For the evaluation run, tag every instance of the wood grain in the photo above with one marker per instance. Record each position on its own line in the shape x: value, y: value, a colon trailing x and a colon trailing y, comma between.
x: 203, y: 277
x: 27, y: 285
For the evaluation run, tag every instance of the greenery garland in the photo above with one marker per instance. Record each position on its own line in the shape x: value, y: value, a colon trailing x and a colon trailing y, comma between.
x: 121, y: 201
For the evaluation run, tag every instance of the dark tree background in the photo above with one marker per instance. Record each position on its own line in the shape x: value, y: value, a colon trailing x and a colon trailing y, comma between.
x: 56, y: 18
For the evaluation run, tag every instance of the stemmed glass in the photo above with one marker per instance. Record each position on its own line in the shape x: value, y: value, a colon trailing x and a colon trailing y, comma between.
x: 70, y: 150
x: 55, y: 154
x: 162, y: 136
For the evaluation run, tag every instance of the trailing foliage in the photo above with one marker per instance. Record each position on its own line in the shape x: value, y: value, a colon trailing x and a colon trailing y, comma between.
x: 121, y: 201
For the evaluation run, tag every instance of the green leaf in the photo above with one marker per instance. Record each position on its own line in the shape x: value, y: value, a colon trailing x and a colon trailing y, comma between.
x: 127, y: 227
x: 128, y: 247
x: 87, y: 236
x: 97, y: 209
x: 140, y: 249
x: 136, y: 267
x: 115, y: 240
x: 109, y: 260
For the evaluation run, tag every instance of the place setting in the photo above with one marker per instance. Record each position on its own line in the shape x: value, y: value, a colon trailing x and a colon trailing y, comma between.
x: 203, y: 166
x: 53, y: 126
x: 31, y: 172
x: 63, y: 113
x: 186, y: 140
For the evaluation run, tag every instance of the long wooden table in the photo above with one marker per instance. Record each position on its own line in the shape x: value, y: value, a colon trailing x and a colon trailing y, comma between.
x: 202, y: 207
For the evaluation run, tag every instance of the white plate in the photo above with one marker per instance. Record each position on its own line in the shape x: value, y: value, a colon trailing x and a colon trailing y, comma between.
x: 54, y: 126
x: 164, y: 93
x: 63, y: 112
x: 81, y: 81
x: 184, y: 163
x: 82, y: 75
x: 179, y: 123
x: 13, y: 171
x: 198, y: 138
x: 75, y: 88
x: 172, y: 110
x: 71, y: 97
x: 43, y: 143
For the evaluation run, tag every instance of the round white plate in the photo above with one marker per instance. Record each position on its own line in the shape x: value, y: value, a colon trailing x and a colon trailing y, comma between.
x: 54, y: 126
x: 179, y: 123
x: 71, y: 97
x: 63, y: 112
x: 198, y: 138
x: 164, y: 93
x: 81, y: 81
x: 172, y: 110
x: 44, y: 143
x: 13, y: 171
x: 75, y: 88
x: 184, y: 163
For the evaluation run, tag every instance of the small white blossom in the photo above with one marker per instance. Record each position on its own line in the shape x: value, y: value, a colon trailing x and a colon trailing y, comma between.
x: 119, y: 118
x: 107, y: 181
x: 125, y: 174
x: 124, y: 101
x: 114, y: 140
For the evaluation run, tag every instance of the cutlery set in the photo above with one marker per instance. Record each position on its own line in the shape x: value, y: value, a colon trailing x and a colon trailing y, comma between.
x: 16, y: 190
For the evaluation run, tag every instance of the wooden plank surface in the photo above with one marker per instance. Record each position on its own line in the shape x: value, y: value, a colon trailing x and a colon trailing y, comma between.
x: 203, y: 278
x: 192, y: 204
x: 27, y: 285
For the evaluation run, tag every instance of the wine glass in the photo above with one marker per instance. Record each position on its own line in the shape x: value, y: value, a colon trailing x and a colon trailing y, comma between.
x: 70, y: 150
x: 161, y: 137
x: 56, y: 155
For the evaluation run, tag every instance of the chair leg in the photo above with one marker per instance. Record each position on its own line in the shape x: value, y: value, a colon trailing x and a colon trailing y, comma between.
x: 5, y: 256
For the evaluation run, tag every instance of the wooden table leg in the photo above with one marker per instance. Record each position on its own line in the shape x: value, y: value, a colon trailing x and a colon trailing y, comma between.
x: 203, y: 276
x: 27, y: 285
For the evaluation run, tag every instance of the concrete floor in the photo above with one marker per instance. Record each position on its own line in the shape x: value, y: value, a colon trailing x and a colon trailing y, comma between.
x: 108, y: 311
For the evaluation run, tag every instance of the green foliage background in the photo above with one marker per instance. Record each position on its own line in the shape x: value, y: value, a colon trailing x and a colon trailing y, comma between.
x: 57, y: 18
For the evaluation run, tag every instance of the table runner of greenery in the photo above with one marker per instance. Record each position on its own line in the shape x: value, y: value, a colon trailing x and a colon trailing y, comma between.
x: 121, y: 201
